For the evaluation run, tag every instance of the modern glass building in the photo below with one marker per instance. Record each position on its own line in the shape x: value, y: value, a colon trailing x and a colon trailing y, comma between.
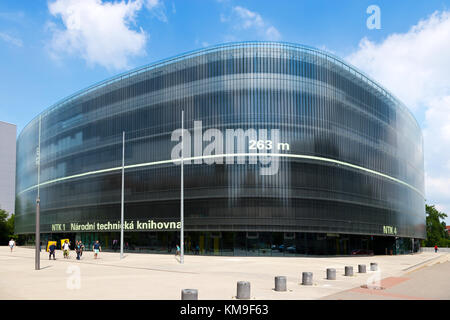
x: 288, y: 150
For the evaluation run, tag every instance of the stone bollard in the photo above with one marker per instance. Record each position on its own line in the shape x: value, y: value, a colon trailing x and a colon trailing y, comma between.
x: 280, y: 283
x: 243, y: 290
x: 349, y: 271
x: 189, y: 294
x: 361, y: 268
x: 373, y: 266
x: 307, y: 278
x: 331, y: 274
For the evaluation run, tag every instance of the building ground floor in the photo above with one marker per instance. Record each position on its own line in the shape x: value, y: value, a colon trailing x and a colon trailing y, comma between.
x: 240, y: 243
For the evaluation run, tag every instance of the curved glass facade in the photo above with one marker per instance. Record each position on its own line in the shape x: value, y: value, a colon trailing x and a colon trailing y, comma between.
x: 346, y: 156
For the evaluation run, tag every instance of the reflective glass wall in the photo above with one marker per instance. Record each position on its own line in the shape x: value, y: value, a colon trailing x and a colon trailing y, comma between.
x: 348, y: 158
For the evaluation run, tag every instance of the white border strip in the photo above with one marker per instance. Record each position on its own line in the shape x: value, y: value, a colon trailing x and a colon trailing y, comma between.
x: 286, y: 155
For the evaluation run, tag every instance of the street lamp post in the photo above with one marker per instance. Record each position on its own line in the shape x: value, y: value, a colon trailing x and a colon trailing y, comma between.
x: 182, y: 190
x: 37, y: 255
x: 122, y: 198
x: 37, y: 263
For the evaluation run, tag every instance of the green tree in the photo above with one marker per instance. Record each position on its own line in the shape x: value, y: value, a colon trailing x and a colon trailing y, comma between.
x: 10, y: 225
x: 6, y: 227
x: 436, y: 231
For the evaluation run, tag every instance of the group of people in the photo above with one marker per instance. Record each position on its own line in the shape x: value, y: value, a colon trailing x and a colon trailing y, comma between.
x: 196, y: 250
x: 79, y: 248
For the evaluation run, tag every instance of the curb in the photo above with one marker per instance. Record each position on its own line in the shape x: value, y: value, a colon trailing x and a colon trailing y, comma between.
x: 427, y: 263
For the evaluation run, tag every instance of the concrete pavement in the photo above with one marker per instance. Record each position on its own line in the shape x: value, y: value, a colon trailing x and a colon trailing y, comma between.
x: 423, y: 283
x: 154, y: 276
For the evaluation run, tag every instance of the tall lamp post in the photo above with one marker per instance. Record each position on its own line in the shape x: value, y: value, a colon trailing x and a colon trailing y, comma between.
x: 37, y: 255
x: 182, y: 190
x: 122, y: 197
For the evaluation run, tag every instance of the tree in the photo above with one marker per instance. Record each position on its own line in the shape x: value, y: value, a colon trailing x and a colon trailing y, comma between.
x: 436, y: 231
x: 6, y: 227
x: 10, y: 226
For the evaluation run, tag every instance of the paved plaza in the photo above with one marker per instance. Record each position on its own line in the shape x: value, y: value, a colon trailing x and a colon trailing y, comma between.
x: 157, y: 276
x: 432, y: 282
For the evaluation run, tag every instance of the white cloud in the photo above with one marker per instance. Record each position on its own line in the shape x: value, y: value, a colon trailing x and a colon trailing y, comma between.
x: 10, y: 39
x: 242, y: 19
x: 411, y: 64
x: 248, y: 18
x: 98, y: 31
x: 272, y: 33
x: 415, y: 66
x: 153, y: 3
x: 158, y: 9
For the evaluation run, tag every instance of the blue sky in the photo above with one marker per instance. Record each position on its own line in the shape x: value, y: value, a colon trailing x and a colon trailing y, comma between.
x: 28, y: 66
x: 51, y: 49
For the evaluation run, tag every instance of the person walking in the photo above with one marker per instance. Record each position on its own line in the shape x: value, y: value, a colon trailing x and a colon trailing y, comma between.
x: 66, y: 249
x: 177, y: 252
x: 78, y: 249
x: 435, y: 248
x: 51, y: 252
x: 12, y: 243
x: 81, y: 248
x: 97, y: 248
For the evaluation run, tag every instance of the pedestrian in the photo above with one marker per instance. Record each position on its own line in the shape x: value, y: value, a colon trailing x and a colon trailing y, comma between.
x: 12, y: 243
x: 436, y: 248
x: 81, y: 248
x: 114, y: 245
x: 51, y: 250
x: 78, y: 249
x: 177, y: 252
x: 197, y: 249
x: 66, y: 249
x: 97, y: 248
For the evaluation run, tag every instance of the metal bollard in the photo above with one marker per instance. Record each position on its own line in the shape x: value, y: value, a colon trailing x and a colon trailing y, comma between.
x: 349, y: 271
x: 243, y: 290
x: 189, y: 294
x: 373, y: 266
x: 280, y: 283
x: 307, y: 278
x: 361, y: 268
x: 331, y: 274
